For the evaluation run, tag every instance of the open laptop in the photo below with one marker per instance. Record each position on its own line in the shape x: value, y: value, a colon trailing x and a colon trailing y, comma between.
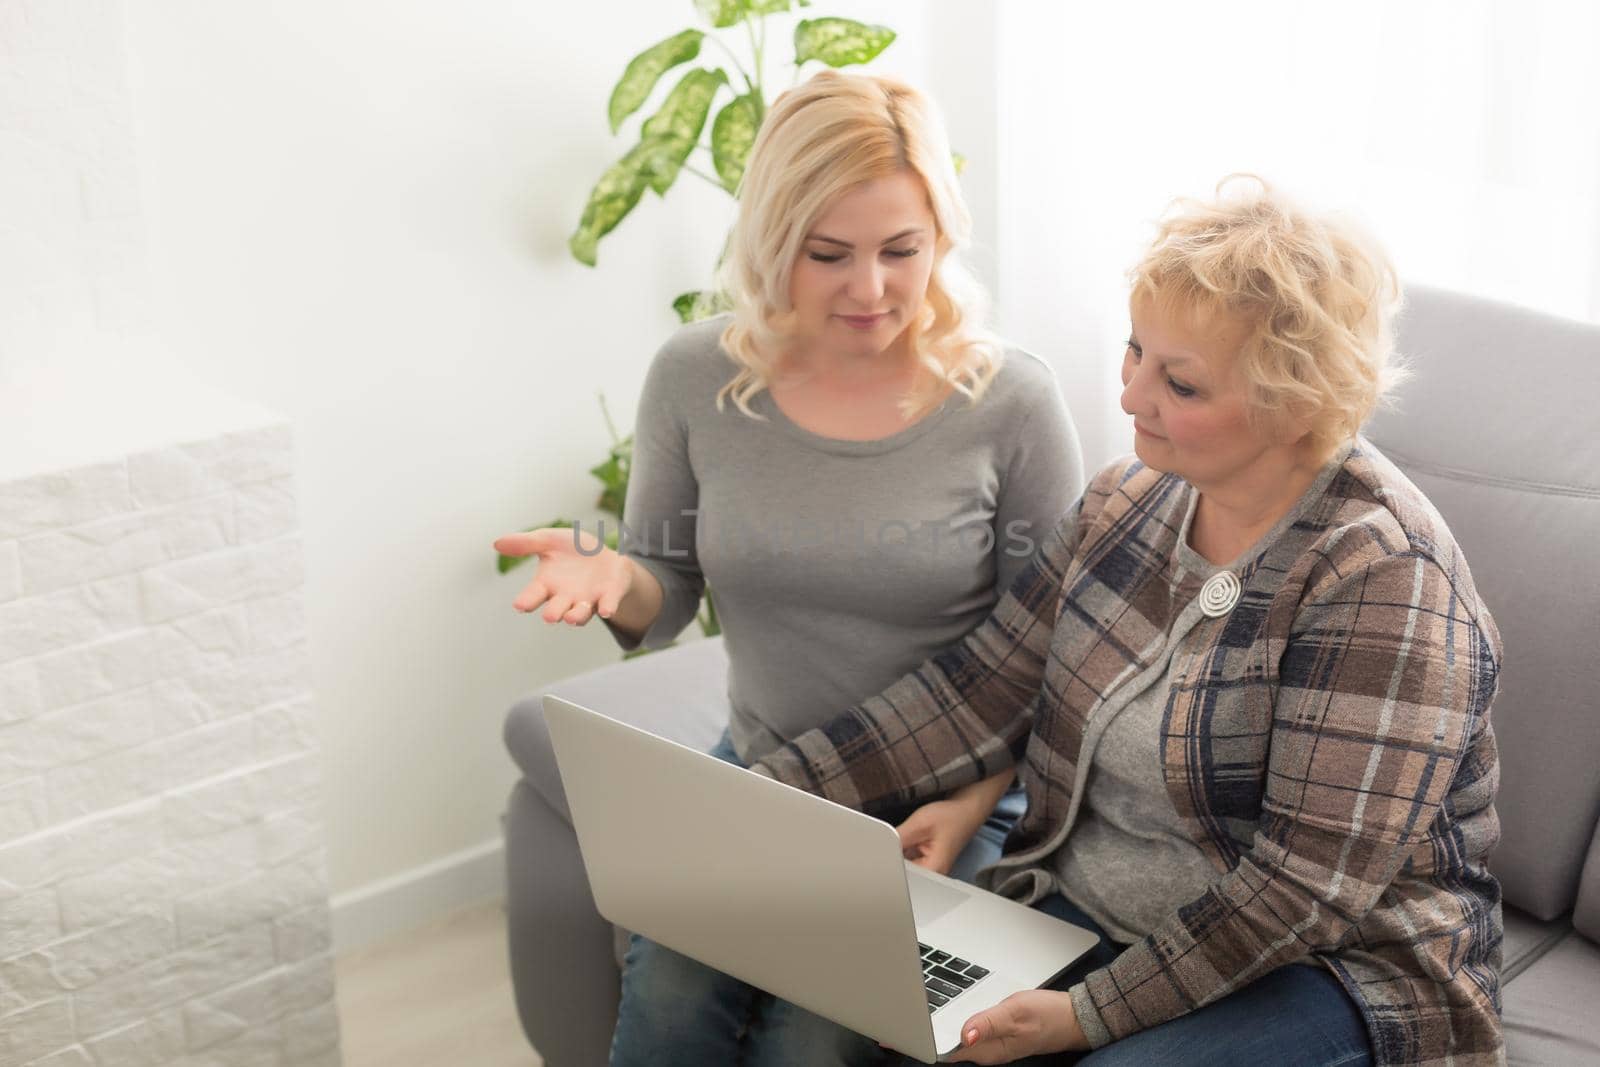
x: 789, y: 892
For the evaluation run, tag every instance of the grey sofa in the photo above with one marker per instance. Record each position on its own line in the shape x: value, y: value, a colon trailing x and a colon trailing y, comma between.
x: 1500, y: 429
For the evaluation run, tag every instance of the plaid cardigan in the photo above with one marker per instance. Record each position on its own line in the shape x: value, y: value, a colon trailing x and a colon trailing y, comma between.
x: 1327, y: 745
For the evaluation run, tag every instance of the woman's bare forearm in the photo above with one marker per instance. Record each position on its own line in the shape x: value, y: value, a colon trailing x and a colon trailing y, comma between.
x: 981, y: 797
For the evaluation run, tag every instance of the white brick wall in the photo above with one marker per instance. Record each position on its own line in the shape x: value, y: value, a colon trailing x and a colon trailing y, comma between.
x: 163, y: 879
x: 10, y: 572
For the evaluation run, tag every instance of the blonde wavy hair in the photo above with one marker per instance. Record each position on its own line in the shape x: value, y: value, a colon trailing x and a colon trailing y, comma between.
x: 828, y: 135
x: 1317, y: 290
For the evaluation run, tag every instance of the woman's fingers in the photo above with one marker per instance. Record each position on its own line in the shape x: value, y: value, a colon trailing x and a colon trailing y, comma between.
x: 616, y: 588
x: 914, y: 840
x: 533, y: 542
x: 531, y: 596
x: 558, y: 606
x: 937, y: 859
x: 568, y: 575
x: 914, y: 830
x: 999, y: 1034
x: 978, y: 1042
x: 977, y: 1028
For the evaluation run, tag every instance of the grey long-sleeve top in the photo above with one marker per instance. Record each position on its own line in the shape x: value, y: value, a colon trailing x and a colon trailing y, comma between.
x: 837, y: 566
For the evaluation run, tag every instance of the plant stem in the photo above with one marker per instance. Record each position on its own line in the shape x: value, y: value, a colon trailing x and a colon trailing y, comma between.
x: 756, y: 50
x: 736, y: 64
x: 611, y: 427
x: 705, y: 177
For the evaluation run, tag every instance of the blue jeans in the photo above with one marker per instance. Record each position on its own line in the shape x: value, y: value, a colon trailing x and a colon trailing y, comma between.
x: 1295, y: 1016
x: 676, y: 1010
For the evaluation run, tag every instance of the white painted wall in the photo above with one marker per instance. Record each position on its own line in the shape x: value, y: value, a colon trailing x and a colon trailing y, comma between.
x: 1464, y: 133
x: 71, y: 236
x: 358, y: 218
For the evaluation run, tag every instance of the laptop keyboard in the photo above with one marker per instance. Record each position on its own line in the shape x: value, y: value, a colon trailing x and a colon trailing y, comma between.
x: 946, y: 977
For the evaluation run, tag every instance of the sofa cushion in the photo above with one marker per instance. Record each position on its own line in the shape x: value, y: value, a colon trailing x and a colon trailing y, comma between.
x: 1549, y: 1010
x: 1498, y: 429
x: 679, y: 693
x: 1527, y: 939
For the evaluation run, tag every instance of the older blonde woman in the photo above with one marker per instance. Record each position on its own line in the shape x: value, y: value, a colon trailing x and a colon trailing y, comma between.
x: 854, y: 465
x: 1249, y: 680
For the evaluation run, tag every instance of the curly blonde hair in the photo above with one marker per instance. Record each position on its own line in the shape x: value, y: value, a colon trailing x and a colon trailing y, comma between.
x: 1318, y: 292
x: 822, y: 138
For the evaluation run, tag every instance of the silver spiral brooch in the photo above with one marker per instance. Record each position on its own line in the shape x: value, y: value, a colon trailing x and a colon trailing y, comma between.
x: 1219, y: 594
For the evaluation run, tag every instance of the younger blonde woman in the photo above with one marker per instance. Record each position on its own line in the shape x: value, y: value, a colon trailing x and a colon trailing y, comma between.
x: 856, y: 467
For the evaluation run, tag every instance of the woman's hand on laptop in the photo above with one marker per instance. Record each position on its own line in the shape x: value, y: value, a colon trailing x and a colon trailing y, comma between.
x: 1029, y: 1023
x: 936, y: 833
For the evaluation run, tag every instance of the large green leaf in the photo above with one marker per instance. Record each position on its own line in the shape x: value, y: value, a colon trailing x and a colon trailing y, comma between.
x: 615, y: 480
x: 613, y: 196
x: 839, y: 42
x: 699, y: 304
x: 732, y: 134
x: 721, y: 13
x: 769, y: 7
x: 677, y: 125
x: 709, y: 623
x: 613, y: 475
x: 645, y: 69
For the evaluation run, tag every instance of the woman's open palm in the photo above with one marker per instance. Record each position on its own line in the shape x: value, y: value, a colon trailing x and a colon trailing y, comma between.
x: 578, y: 576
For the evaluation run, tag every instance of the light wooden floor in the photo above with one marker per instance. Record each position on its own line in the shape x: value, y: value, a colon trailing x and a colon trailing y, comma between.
x: 426, y: 999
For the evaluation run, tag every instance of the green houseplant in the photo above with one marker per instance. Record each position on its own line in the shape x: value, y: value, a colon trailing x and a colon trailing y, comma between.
x: 666, y: 147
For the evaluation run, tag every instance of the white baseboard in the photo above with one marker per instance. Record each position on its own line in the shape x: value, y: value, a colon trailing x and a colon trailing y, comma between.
x: 410, y: 900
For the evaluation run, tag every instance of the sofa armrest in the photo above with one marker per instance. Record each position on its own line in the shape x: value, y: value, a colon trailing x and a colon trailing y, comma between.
x: 1586, y: 915
x: 678, y: 693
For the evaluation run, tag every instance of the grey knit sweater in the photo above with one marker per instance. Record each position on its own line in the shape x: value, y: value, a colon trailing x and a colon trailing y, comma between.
x: 836, y: 566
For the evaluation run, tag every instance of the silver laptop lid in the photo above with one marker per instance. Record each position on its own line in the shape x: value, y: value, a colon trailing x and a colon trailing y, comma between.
x: 788, y: 892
